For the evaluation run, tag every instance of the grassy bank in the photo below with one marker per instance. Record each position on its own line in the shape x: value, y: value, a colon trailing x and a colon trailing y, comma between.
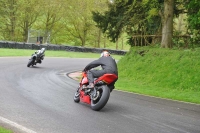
x: 172, y: 74
x: 3, y: 130
x: 50, y: 53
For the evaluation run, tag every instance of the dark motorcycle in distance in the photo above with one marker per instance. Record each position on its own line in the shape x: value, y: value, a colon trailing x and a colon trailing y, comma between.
x: 97, y: 97
x: 37, y: 57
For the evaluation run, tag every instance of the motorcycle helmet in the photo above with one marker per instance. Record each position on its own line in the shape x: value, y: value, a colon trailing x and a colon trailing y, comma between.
x: 105, y: 53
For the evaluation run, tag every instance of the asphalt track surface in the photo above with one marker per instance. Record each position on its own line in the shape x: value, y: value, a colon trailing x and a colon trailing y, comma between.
x: 40, y: 100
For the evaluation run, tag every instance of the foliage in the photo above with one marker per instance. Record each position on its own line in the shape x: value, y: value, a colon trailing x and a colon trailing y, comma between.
x: 193, y: 12
x: 161, y: 72
x: 3, y: 130
x: 141, y: 18
x: 57, y: 22
x: 50, y: 20
x: 79, y: 22
x: 73, y: 22
x: 132, y: 17
x: 8, y: 18
x: 29, y: 16
x: 17, y: 16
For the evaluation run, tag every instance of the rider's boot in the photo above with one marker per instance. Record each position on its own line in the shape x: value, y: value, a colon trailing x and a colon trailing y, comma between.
x: 90, y: 86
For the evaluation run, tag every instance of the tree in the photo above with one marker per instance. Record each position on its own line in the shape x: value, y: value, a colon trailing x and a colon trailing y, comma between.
x: 79, y: 24
x: 132, y: 17
x: 136, y: 17
x: 8, y: 15
x: 167, y: 28
x: 30, y: 12
x: 193, y: 13
x: 51, y: 18
x: 66, y: 21
x: 17, y: 16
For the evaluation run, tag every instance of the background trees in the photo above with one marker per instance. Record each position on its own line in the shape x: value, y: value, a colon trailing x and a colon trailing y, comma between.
x: 28, y: 12
x: 147, y: 20
x: 78, y: 22
x: 193, y: 12
x: 133, y: 17
x: 97, y: 22
x: 8, y: 19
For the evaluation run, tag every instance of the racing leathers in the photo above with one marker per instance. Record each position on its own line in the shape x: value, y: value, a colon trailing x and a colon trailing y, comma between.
x: 108, y: 65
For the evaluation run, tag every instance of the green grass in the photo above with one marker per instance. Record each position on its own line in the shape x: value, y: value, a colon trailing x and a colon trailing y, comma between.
x: 3, y: 130
x: 50, y: 53
x: 165, y: 73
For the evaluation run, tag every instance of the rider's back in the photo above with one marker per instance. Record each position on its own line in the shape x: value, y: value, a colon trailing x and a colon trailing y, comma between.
x: 109, y: 64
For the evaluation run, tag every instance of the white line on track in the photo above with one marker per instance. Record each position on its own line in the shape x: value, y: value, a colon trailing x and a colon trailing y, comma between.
x: 157, y: 97
x: 20, y: 127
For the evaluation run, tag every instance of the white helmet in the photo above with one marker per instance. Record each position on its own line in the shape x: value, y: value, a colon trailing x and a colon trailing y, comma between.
x: 105, y: 53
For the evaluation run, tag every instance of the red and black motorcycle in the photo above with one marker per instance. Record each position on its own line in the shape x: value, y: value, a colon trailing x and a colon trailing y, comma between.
x: 97, y: 97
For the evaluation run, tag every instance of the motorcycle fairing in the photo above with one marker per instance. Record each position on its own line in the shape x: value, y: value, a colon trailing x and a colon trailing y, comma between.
x: 84, y: 98
x: 84, y: 79
x: 34, y: 56
x: 107, y: 78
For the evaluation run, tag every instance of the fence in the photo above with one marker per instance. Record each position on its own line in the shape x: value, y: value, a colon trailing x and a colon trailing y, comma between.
x: 145, y: 40
x: 21, y: 45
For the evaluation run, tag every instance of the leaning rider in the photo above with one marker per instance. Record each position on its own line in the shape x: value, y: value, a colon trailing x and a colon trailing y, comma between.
x: 108, y: 65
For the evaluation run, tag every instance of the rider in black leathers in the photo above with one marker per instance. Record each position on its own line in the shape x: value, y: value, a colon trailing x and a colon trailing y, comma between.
x: 108, y: 65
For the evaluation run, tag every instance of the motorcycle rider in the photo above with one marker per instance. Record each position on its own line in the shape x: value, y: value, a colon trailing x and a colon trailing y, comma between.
x: 40, y: 55
x: 40, y: 52
x: 108, y: 65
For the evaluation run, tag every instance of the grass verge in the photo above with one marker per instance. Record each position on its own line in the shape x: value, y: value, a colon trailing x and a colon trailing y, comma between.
x: 50, y: 53
x: 3, y: 130
x: 172, y: 74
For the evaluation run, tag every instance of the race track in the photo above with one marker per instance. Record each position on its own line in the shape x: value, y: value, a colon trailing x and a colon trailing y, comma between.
x: 40, y: 100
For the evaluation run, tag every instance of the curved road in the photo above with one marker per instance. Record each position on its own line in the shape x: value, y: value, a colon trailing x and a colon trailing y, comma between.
x: 40, y: 100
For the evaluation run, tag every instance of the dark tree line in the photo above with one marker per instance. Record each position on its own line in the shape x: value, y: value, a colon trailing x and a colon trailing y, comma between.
x: 150, y: 17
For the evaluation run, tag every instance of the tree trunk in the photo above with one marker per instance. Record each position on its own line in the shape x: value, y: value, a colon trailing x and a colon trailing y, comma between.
x: 25, y: 31
x: 99, y: 37
x: 167, y: 30
x: 104, y: 44
x: 122, y: 43
x: 117, y: 44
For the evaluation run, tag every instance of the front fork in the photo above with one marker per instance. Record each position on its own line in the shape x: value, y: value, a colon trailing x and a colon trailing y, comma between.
x: 92, y: 93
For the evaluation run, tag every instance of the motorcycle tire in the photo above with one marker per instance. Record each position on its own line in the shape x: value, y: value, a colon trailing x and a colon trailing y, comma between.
x: 77, y: 97
x: 100, y: 102
x: 30, y: 63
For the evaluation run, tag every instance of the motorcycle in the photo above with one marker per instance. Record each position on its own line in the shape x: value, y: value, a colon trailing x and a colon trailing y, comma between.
x: 37, y: 57
x: 97, y: 97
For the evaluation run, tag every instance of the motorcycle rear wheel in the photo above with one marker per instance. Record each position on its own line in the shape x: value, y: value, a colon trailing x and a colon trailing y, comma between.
x: 100, y: 102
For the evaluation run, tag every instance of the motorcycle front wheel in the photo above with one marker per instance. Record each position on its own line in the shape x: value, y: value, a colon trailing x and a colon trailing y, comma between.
x: 30, y: 62
x: 103, y: 94
x: 77, y: 97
